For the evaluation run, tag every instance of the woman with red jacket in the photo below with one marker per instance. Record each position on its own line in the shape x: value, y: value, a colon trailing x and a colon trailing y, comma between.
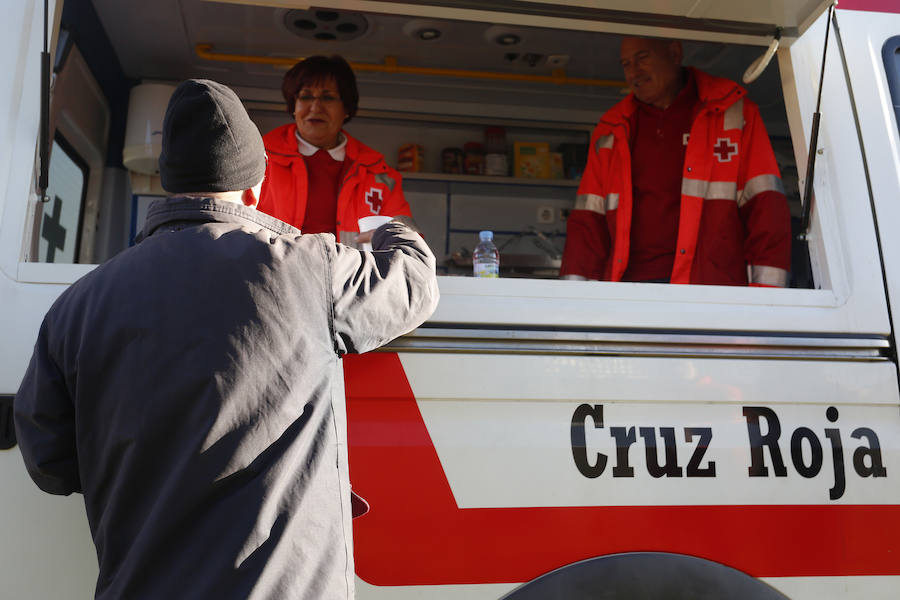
x: 319, y: 178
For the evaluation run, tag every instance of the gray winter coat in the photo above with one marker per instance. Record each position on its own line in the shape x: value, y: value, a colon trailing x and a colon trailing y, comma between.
x: 191, y: 388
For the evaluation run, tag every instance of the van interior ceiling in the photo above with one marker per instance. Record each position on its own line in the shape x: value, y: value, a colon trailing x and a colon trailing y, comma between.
x: 433, y: 82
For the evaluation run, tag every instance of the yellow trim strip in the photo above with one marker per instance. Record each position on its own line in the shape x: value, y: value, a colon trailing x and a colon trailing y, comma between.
x: 558, y: 76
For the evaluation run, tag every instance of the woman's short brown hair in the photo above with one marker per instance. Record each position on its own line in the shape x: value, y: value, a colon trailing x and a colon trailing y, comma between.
x: 315, y: 70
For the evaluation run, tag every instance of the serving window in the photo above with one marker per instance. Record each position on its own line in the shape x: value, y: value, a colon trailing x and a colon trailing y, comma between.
x: 445, y: 92
x: 489, y: 124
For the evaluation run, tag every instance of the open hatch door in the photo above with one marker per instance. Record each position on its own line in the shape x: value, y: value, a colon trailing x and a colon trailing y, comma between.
x: 753, y: 21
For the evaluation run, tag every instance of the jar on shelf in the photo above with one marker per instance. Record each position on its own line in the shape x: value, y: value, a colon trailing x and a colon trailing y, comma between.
x: 452, y: 161
x: 496, y: 160
x: 473, y: 162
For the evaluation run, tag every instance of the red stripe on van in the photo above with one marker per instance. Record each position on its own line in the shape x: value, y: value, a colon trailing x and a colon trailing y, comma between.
x: 888, y: 6
x: 416, y: 535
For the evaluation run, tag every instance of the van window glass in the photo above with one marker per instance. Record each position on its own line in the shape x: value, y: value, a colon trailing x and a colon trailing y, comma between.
x: 891, y: 55
x: 60, y: 222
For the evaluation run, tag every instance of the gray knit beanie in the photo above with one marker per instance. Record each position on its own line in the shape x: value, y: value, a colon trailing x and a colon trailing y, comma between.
x: 209, y: 143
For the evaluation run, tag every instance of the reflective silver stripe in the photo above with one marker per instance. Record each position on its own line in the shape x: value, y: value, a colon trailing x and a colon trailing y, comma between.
x: 612, y: 202
x: 386, y: 180
x: 734, y: 115
x: 694, y: 187
x: 574, y: 277
x: 758, y: 185
x: 722, y: 190
x: 709, y: 190
x: 604, y: 141
x: 768, y: 275
x: 591, y: 202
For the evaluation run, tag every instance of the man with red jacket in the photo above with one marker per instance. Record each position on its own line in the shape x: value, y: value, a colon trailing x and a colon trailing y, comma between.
x: 681, y: 183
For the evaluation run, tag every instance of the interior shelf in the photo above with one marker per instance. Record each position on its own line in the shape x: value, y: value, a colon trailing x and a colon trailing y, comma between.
x: 529, y: 181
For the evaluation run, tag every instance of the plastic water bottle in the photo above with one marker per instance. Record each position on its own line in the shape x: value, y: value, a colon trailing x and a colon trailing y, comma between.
x: 486, y: 258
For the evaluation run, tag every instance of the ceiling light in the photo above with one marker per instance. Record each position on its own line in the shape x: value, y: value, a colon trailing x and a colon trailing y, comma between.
x: 425, y: 30
x: 428, y: 34
x: 503, y: 35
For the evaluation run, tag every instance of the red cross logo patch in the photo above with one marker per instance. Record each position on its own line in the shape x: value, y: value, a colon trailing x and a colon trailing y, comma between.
x: 374, y: 200
x: 724, y: 149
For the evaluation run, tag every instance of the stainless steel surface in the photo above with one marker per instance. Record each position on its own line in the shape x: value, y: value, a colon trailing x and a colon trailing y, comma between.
x: 642, y: 343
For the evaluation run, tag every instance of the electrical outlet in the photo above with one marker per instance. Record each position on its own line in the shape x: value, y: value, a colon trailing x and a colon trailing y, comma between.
x: 545, y: 215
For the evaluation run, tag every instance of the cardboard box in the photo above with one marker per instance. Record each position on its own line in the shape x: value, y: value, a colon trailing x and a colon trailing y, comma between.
x: 411, y: 158
x: 532, y: 159
x: 556, y: 165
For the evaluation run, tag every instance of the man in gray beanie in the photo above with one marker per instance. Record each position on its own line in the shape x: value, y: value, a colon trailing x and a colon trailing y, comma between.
x: 191, y: 387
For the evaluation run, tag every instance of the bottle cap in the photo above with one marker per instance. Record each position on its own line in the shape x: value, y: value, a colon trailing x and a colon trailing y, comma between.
x: 486, y: 235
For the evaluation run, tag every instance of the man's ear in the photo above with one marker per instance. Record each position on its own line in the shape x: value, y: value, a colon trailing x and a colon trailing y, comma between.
x: 676, y: 52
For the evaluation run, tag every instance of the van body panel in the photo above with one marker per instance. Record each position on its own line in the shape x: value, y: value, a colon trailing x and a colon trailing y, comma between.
x: 518, y: 454
x: 636, y: 306
x: 797, y: 588
x: 46, y: 550
x: 19, y: 114
x: 885, y: 6
x: 24, y: 305
x: 863, y: 43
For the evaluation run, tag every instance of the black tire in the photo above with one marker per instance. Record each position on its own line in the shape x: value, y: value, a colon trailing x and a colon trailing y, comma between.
x: 645, y: 576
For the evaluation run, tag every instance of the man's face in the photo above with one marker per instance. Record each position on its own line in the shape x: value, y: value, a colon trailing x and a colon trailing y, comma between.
x: 652, y: 69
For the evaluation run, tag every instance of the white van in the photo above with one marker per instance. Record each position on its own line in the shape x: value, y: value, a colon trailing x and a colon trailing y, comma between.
x: 537, y: 438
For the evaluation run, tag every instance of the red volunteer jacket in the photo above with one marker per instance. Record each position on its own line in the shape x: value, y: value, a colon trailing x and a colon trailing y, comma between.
x: 734, y: 225
x: 368, y: 186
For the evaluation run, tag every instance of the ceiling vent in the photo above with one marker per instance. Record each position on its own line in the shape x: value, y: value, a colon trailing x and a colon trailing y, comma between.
x: 532, y: 59
x: 326, y: 25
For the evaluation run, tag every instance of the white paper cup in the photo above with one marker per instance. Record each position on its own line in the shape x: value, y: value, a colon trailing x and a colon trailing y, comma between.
x: 370, y: 223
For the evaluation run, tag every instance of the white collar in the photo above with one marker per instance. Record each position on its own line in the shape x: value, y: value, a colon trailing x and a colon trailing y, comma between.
x: 338, y: 153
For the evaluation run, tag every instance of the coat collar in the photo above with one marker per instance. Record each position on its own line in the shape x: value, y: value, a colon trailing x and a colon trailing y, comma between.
x: 717, y: 91
x: 209, y: 210
x: 712, y: 91
x: 281, y: 148
x: 338, y: 153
